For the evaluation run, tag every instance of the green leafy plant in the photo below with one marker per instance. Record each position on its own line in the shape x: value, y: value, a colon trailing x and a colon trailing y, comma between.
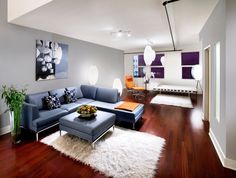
x: 14, y: 100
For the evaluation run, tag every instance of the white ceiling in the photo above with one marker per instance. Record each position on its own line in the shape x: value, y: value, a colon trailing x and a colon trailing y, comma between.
x: 94, y: 20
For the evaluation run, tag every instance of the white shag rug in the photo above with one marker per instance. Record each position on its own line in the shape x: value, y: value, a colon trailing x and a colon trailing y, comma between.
x: 121, y: 154
x: 174, y: 100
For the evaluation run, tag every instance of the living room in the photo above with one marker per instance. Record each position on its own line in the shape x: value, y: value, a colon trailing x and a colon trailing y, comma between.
x: 182, y: 120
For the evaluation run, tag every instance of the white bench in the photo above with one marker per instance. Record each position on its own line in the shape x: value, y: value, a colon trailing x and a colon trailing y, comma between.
x: 175, y: 89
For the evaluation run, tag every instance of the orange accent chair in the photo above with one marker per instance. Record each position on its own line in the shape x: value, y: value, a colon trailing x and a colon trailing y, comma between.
x: 135, y: 90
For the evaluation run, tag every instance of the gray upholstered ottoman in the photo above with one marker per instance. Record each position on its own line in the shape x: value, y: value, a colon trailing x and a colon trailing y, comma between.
x: 91, y: 129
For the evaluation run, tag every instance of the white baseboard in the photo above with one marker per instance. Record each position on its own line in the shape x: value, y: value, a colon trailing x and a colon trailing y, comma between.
x: 5, y: 130
x: 203, y: 116
x: 230, y: 163
x: 226, y: 162
x: 217, y: 147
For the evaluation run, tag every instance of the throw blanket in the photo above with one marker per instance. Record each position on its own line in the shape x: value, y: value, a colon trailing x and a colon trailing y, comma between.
x: 128, y: 106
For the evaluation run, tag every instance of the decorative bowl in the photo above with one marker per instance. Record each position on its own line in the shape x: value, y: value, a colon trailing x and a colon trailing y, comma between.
x: 87, y: 111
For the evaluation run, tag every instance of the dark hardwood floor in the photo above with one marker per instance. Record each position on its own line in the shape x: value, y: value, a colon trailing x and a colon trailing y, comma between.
x: 188, y: 152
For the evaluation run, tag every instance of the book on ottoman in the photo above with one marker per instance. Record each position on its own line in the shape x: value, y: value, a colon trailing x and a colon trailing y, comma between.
x: 128, y: 106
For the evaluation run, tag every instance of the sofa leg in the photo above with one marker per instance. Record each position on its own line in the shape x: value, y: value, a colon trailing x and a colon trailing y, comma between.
x: 134, y: 126
x: 60, y: 132
x: 93, y: 145
x: 37, y: 136
x: 113, y: 128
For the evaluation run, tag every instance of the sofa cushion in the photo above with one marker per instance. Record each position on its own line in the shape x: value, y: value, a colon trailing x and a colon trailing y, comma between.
x: 36, y: 99
x: 51, y: 102
x: 78, y: 94
x: 84, y: 101
x: 60, y: 94
x: 49, y: 116
x: 71, y: 107
x: 70, y: 96
x: 88, y: 91
x: 107, y: 95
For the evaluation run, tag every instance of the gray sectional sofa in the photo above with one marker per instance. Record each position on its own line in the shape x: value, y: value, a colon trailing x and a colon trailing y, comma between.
x: 36, y: 118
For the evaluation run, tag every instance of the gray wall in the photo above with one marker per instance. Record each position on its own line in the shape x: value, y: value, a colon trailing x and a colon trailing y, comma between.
x: 213, y: 32
x: 230, y: 78
x: 17, y: 60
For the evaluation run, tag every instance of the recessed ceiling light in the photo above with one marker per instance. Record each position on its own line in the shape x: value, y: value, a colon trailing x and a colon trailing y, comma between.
x: 128, y: 34
x: 120, y: 33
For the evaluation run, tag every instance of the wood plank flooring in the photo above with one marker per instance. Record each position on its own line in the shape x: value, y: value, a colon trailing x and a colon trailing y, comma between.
x: 188, y: 152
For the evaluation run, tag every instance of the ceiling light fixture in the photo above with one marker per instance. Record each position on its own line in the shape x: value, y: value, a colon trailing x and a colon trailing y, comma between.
x: 121, y: 33
x: 168, y: 19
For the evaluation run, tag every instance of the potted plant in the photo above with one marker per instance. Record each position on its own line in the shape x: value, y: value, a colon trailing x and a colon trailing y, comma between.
x: 14, y: 100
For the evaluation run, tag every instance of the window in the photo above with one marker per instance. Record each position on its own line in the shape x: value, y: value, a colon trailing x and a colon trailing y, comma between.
x: 217, y: 81
x: 156, y: 66
x: 188, y: 60
x: 135, y: 66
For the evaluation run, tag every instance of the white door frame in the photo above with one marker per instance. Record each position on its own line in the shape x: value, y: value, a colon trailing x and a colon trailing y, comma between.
x: 207, y: 83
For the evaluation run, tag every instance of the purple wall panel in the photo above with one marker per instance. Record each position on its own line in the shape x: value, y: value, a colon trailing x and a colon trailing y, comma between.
x: 186, y: 73
x: 156, y: 62
x: 190, y: 58
x: 159, y: 72
x: 141, y: 61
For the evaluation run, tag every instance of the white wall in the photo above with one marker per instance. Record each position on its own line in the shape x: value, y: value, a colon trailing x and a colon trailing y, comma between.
x: 172, y: 65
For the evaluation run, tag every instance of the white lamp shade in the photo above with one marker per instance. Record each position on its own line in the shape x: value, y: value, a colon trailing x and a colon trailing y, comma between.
x: 147, y: 48
x: 149, y: 55
x: 197, y: 72
x: 163, y: 60
x: 144, y: 70
x: 117, y: 85
x: 93, y: 75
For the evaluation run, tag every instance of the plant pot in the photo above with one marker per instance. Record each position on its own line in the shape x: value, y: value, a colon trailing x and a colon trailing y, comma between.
x: 15, y: 126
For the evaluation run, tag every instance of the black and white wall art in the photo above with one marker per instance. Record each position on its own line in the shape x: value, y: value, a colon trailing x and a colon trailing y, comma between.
x: 51, y: 60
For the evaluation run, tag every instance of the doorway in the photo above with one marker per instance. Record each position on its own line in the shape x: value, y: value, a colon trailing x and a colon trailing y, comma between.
x: 207, y: 84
